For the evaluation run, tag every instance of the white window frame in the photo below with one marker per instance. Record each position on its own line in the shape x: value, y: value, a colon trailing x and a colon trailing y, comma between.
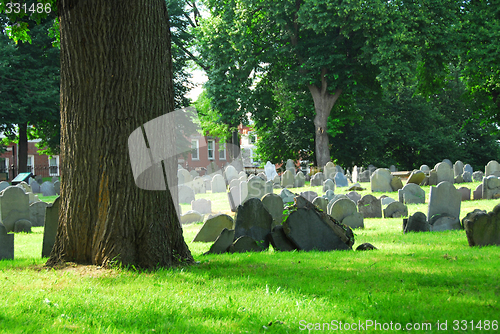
x: 197, y: 149
x: 56, y: 157
x: 222, y: 149
x: 211, y: 150
x: 31, y: 168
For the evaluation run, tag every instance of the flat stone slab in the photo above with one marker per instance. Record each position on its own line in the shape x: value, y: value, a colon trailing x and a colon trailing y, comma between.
x: 222, y: 243
x: 212, y: 228
x: 481, y: 228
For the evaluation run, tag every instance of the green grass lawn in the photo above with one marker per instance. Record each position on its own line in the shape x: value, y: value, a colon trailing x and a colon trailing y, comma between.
x: 414, y: 280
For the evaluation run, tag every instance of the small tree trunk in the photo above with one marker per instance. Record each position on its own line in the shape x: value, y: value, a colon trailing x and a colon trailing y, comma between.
x: 22, y: 153
x: 116, y: 74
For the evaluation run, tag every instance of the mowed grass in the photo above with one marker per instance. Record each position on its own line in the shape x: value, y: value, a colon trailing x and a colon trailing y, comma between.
x: 414, y: 279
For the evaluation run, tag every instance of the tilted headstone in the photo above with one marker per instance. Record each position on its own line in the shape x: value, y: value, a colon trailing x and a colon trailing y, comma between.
x: 245, y: 244
x: 380, y: 180
x: 218, y: 184
x: 277, y: 180
x: 492, y: 167
x: 50, y: 227
x: 491, y: 187
x: 213, y: 227
x: 270, y: 170
x: 300, y: 180
x: 6, y: 244
x: 287, y: 179
x: 481, y: 228
x: 191, y: 217
x: 222, y: 243
x: 317, y: 179
x: 458, y: 168
x: 274, y: 205
x: 411, y: 194
x: 370, y: 206
x: 340, y: 180
x: 202, y: 206
x: 444, y: 207
x: 186, y: 194
x: 14, y: 206
x: 433, y: 177
x: 37, y: 213
x: 477, y: 176
x: 464, y: 193
x: 478, y: 192
x: 329, y: 170
x: 396, y: 210
x: 416, y: 223
x: 417, y: 176
x: 252, y: 219
x: 328, y: 185
x: 354, y: 196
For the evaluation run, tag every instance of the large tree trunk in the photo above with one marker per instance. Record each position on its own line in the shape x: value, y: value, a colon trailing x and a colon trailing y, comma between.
x: 22, y: 153
x: 116, y: 74
x: 323, y: 104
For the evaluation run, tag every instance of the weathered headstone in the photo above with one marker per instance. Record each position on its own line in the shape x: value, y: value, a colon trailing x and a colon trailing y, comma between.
x: 198, y: 185
x: 47, y: 189
x: 287, y: 196
x: 329, y: 170
x: 270, y: 170
x: 213, y: 227
x: 448, y: 162
x: 218, y: 184
x: 384, y: 200
x: 252, y: 219
x: 242, y: 176
x: 425, y: 169
x: 321, y: 203
x: 290, y: 166
x: 393, y: 168
x: 186, y: 194
x: 444, y: 173
x: 234, y: 183
x: 14, y: 206
x: 191, y: 217
x: 340, y: 180
x: 233, y: 196
x: 39, y: 179
x: 464, y: 193
x: 364, y: 176
x: 22, y: 225
x: 491, y: 187
x: 466, y: 176
x: 300, y: 180
x: 380, y: 180
x: 279, y: 240
x: 411, y: 194
x: 274, y: 205
x: 6, y: 244
x: 309, y: 195
x: 396, y: 210
x: 194, y: 174
x: 481, y: 228
x: 287, y: 179
x: 354, y: 196
x: 35, y: 187
x: 212, y: 167
x: 477, y: 176
x: 202, y: 206
x: 356, y: 186
x: 317, y: 179
x: 329, y: 195
x: 492, y: 167
x: 50, y: 227
x: 417, y: 176
x: 356, y: 220
x: 341, y: 208
x: 468, y: 168
x: 262, y: 176
x: 244, y: 244
x: 230, y: 173
x: 328, y: 185
x: 417, y: 223
x: 458, y: 168
x: 370, y: 206
x: 396, y: 183
x: 57, y: 187
x: 184, y: 177
x: 222, y: 243
x: 478, y: 192
x: 37, y: 213
x: 256, y: 187
x: 444, y: 203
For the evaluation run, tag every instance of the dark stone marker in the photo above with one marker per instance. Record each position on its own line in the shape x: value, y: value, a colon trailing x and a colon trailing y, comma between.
x: 280, y: 241
x: 6, y: 244
x: 50, y: 228
x: 483, y: 228
x: 222, y: 243
x: 416, y: 223
x: 365, y: 246
x: 22, y: 225
x: 252, y: 219
x: 370, y: 206
x: 245, y: 244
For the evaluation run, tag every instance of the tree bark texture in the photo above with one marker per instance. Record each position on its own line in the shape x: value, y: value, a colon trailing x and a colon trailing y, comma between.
x: 22, y: 153
x: 116, y: 74
x: 323, y: 104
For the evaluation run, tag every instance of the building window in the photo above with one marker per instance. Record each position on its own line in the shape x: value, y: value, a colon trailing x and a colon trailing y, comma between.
x: 54, y: 166
x: 222, y: 151
x: 195, y: 149
x: 210, y: 146
x: 31, y: 165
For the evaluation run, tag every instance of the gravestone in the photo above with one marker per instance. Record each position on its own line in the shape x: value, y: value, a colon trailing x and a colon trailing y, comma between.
x: 393, y: 168
x: 491, y: 187
x: 481, y: 228
x: 198, y: 185
x: 262, y: 176
x: 274, y: 205
x: 364, y: 176
x: 300, y: 180
x: 328, y: 185
x: 425, y: 169
x: 37, y: 213
x: 478, y: 192
x: 444, y: 173
x: 444, y: 207
x: 25, y: 186
x: 6, y: 244
x: 290, y: 166
x: 279, y: 240
x: 14, y: 206
x: 202, y: 206
x: 417, y: 176
x: 186, y: 194
x: 384, y: 200
x: 212, y: 168
x: 396, y: 210
x: 57, y: 187
x: 329, y: 170
x: 458, y: 179
x: 466, y: 177
x: 222, y: 243
x: 184, y: 177
x: 356, y: 220
x: 370, y: 206
x: 22, y: 225
x: 270, y: 170
x: 355, y: 174
x: 337, y: 197
x: 458, y: 168
x: 492, y: 167
x: 477, y: 176
x: 317, y: 179
x: 416, y: 223
x: 233, y: 196
x: 354, y: 196
x: 355, y: 186
x: 340, y: 180
x: 194, y: 174
x: 50, y: 227
x: 448, y: 162
x: 464, y: 193
x: 396, y: 183
x: 245, y: 244
x: 287, y: 179
x: 468, y: 168
x: 191, y: 217
x: 329, y: 195
x: 287, y: 196
x: 35, y: 187
x: 234, y: 183
x: 242, y: 176
x: 277, y: 181
x: 433, y: 177
x: 411, y: 194
x: 230, y: 173
x: 39, y: 179
x: 253, y: 220
x: 256, y: 187
x: 243, y: 192
x: 218, y: 184
x: 321, y: 203
x: 380, y: 181
x: 341, y: 208
x: 309, y: 195
x: 47, y: 189
x: 213, y: 227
